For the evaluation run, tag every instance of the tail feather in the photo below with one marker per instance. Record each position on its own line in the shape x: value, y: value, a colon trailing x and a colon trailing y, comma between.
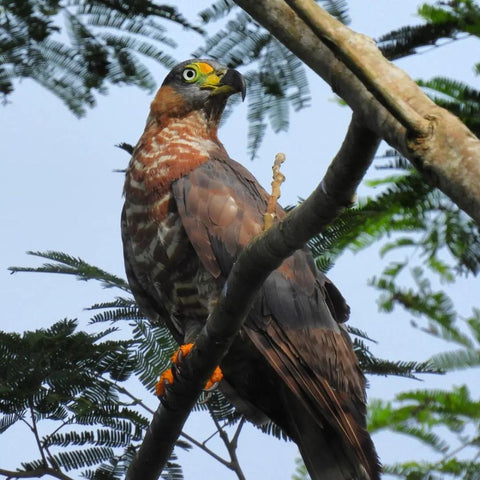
x: 325, y: 455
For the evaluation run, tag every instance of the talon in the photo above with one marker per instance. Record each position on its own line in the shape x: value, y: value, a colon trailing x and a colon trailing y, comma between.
x: 214, y: 380
x: 175, y: 369
x: 168, y: 376
x: 182, y: 352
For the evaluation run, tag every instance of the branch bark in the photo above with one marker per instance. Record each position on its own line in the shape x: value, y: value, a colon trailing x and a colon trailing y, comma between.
x: 384, y: 97
x: 263, y: 255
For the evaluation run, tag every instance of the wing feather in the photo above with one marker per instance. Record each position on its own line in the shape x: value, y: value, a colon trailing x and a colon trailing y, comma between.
x: 295, y: 325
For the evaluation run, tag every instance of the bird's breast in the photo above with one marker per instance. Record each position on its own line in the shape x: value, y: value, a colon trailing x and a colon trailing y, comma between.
x: 162, y: 255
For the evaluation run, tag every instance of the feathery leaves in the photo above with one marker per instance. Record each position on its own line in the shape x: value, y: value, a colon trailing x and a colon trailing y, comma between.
x: 105, y: 46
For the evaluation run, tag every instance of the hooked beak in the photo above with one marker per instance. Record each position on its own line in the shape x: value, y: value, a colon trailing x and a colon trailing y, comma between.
x: 226, y: 83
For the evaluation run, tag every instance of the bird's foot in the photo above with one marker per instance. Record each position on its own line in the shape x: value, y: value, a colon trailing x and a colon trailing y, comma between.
x: 168, y: 376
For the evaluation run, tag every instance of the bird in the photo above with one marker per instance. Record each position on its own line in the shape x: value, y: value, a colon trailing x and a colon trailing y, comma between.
x: 189, y: 211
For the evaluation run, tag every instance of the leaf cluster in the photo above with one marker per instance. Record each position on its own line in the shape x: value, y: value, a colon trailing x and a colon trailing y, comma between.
x: 76, y: 49
x: 425, y: 416
x: 69, y: 378
x: 444, y: 21
x: 80, y: 380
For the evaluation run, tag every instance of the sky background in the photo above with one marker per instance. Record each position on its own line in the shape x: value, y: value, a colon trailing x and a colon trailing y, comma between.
x: 58, y: 191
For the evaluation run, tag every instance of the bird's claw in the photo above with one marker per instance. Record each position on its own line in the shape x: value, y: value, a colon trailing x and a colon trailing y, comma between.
x: 214, y: 380
x: 168, y: 376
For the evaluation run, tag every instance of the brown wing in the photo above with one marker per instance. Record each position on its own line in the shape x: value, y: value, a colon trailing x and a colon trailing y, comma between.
x: 295, y: 323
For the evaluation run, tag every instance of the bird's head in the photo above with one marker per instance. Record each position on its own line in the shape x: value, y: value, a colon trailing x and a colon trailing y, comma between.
x: 197, y: 85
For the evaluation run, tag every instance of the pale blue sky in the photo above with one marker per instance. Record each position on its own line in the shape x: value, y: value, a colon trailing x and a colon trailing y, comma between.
x: 58, y: 192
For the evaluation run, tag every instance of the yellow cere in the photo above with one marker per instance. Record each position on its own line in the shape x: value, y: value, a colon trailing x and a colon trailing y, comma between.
x: 204, y: 68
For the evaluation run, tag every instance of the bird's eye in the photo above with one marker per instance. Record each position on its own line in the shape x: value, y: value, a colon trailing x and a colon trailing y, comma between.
x: 189, y: 74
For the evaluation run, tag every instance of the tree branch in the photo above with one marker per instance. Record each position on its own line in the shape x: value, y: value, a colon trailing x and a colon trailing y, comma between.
x: 36, y: 473
x: 231, y: 447
x: 35, y: 432
x: 338, y: 38
x: 264, y: 254
x: 386, y: 99
x: 231, y: 465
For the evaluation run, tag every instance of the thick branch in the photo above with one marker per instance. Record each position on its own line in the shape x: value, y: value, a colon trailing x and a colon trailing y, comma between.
x: 386, y: 99
x: 264, y: 254
x: 338, y: 38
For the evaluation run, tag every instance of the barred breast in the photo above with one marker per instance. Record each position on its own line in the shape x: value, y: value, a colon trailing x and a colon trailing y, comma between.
x: 167, y: 278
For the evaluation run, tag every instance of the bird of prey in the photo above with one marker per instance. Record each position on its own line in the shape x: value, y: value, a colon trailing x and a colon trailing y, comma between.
x: 189, y: 211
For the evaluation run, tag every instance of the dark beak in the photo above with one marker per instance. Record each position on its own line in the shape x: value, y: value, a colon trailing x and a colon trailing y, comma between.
x: 235, y: 80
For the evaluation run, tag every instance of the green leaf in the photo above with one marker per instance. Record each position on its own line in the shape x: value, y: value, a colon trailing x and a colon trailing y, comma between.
x: 66, y: 264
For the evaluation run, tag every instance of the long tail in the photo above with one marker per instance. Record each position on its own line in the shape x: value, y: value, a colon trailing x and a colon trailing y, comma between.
x: 325, y: 455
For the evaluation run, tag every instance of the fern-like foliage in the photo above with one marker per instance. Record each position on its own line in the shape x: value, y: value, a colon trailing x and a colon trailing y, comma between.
x: 58, y: 374
x: 107, y: 44
x: 422, y: 218
x: 76, y: 382
x: 421, y: 301
x: 465, y: 13
x: 444, y: 20
x: 68, y: 265
x: 409, y: 39
x: 436, y: 316
x: 270, y: 96
x: 425, y: 415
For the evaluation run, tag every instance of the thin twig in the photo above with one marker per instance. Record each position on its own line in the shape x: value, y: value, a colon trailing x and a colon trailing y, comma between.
x: 136, y: 400
x: 231, y: 447
x: 35, y: 433
x: 203, y: 447
x: 237, y: 432
x: 186, y: 436
x: 446, y: 42
x: 458, y: 449
x: 36, y: 473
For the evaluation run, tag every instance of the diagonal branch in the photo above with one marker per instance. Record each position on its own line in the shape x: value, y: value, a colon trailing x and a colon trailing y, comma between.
x: 338, y: 38
x: 383, y: 96
x: 231, y: 447
x: 264, y: 254
x: 35, y: 433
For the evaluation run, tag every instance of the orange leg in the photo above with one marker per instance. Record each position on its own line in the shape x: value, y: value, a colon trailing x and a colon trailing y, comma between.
x: 167, y: 378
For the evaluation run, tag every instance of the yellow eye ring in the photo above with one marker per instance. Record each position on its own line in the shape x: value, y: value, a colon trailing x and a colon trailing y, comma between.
x: 190, y: 74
